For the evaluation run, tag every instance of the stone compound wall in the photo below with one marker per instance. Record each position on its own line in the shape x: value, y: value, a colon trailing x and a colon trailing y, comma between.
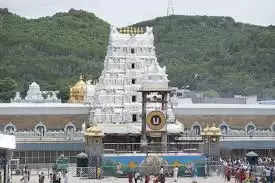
x: 52, y: 122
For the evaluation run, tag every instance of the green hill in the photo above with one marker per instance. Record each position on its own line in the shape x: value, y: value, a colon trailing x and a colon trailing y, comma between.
x: 228, y: 57
x: 52, y: 51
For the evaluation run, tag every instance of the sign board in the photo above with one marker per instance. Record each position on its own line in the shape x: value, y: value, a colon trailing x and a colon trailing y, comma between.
x: 7, y: 142
x: 155, y: 121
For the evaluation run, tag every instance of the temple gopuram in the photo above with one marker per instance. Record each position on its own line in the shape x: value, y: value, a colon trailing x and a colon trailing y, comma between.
x: 45, y: 128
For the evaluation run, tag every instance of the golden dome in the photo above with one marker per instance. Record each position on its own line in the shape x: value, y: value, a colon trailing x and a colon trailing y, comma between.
x: 131, y: 30
x: 94, y: 131
x: 214, y: 130
x: 78, y: 91
x: 205, y: 130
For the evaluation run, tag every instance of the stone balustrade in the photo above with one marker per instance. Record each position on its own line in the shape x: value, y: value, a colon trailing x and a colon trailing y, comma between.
x: 235, y: 133
x: 49, y: 134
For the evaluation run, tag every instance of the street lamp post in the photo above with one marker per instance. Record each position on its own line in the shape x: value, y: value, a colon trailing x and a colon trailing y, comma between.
x: 210, y: 135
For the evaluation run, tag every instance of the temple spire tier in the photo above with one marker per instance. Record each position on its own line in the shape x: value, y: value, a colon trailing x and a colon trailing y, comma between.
x: 130, y: 61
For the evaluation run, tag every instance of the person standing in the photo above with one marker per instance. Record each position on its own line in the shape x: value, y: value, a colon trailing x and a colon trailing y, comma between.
x: 55, y: 178
x: 51, y: 178
x: 147, y: 178
x: 271, y: 175
x: 0, y: 177
x: 130, y: 177
x: 162, y: 178
x: 59, y: 175
x: 136, y: 176
x: 175, y: 173
x: 228, y: 174
x: 267, y: 174
x: 66, y: 177
x: 24, y: 179
x: 98, y: 173
x: 29, y: 174
x: 41, y: 177
x: 161, y: 170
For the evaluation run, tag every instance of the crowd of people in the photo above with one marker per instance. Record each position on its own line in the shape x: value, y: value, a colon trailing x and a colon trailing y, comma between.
x: 243, y: 172
x: 54, y: 177
x: 157, y: 178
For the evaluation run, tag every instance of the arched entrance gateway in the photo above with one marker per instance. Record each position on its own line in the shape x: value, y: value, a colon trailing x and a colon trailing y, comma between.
x: 40, y: 129
x: 69, y: 129
x: 196, y: 128
x: 10, y: 129
x: 224, y: 128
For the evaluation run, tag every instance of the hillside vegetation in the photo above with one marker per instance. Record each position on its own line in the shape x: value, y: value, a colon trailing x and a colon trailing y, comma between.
x: 52, y: 51
x: 216, y: 54
x: 212, y: 54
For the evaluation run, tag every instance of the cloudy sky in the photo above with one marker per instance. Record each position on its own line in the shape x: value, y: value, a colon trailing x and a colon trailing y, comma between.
x: 125, y: 12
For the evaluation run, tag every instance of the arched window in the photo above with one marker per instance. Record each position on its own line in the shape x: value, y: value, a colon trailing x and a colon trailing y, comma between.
x: 69, y: 129
x: 224, y: 128
x: 10, y: 129
x: 40, y: 129
x: 196, y: 127
x: 272, y: 127
x: 197, y: 130
x: 250, y: 127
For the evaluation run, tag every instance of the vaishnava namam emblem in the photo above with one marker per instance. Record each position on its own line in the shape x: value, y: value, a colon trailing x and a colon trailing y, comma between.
x: 155, y: 120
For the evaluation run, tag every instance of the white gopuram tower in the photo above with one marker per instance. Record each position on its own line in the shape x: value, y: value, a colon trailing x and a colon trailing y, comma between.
x: 130, y: 58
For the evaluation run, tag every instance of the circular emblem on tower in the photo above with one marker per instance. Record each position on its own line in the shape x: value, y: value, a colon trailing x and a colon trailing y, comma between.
x: 155, y: 120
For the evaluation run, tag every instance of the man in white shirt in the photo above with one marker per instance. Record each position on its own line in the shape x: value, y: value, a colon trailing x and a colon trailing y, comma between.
x: 66, y: 177
x: 176, y: 171
x: 161, y: 170
x: 267, y: 174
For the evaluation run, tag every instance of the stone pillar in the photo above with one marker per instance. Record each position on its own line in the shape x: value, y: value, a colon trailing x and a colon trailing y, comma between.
x: 94, y: 148
x: 164, y: 142
x: 144, y: 144
x: 164, y: 134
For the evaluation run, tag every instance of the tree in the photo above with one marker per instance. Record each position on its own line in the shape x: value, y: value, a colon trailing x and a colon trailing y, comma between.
x: 7, y: 89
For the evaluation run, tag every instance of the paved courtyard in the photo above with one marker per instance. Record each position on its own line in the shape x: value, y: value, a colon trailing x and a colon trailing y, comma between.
x: 214, y: 179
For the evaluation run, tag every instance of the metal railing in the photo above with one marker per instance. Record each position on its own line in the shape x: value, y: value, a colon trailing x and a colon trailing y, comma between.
x: 152, y: 147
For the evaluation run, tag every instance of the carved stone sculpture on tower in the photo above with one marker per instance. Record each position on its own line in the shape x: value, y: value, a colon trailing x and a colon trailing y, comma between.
x: 130, y: 60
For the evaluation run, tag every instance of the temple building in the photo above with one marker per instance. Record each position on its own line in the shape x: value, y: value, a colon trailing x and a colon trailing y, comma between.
x: 34, y: 95
x: 45, y: 128
x: 78, y: 92
x: 115, y: 101
x: 130, y: 58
